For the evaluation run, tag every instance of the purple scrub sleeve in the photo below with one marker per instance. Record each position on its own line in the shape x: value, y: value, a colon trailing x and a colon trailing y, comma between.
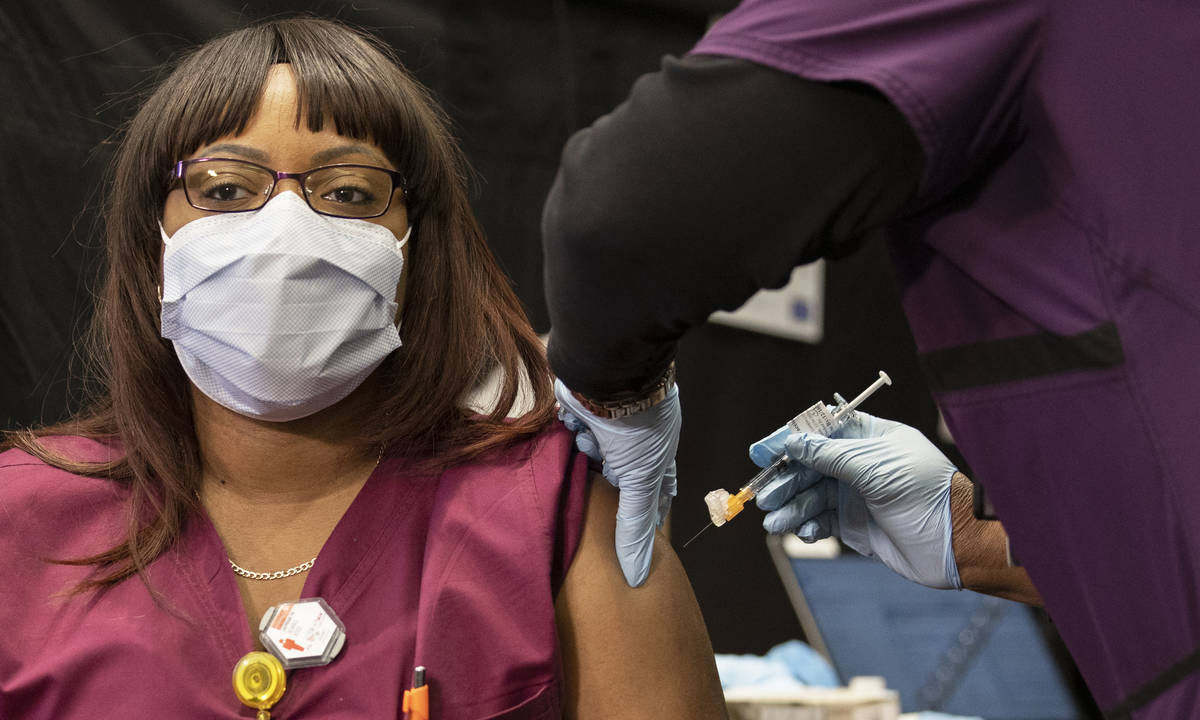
x: 457, y: 572
x: 955, y: 68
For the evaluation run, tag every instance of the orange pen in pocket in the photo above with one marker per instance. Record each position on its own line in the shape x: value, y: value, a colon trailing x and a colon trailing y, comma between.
x: 416, y: 700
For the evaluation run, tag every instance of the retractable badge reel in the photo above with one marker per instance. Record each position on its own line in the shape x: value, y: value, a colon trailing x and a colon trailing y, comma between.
x: 300, y: 634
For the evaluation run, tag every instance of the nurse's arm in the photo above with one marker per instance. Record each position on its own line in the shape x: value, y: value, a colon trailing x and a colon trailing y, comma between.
x: 632, y: 652
x: 981, y: 551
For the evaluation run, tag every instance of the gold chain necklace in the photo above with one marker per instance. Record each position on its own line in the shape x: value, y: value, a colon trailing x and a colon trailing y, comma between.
x: 277, y: 575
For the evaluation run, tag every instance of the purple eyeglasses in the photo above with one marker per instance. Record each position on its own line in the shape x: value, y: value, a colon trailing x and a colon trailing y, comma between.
x: 347, y: 191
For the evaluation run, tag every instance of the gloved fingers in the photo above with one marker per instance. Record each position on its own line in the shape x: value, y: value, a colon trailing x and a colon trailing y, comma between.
x: 586, y: 442
x: 637, y: 518
x: 666, y: 493
x: 610, y: 475
x: 856, y: 527
x: 805, y: 506
x: 570, y: 419
x: 845, y: 459
x: 669, y: 484
x: 638, y: 452
x: 796, y: 478
x: 859, y: 425
x: 764, y: 452
x: 664, y: 508
x: 818, y: 528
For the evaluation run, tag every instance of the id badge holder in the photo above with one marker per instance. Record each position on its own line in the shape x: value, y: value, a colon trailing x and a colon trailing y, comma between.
x: 304, y: 633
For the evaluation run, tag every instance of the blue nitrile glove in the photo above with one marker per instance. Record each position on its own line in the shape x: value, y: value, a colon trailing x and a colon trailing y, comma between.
x: 639, y: 460
x: 879, y: 485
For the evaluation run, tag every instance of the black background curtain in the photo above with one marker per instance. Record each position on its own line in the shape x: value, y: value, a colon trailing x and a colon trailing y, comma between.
x: 517, y: 77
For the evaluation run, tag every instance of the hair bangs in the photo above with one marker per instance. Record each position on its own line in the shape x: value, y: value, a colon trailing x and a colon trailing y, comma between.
x: 342, y: 78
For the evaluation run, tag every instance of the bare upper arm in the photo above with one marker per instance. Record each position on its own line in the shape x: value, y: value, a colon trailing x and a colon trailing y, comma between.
x: 632, y: 652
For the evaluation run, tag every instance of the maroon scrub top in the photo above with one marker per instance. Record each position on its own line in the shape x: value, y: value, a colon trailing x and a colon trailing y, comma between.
x: 457, y: 572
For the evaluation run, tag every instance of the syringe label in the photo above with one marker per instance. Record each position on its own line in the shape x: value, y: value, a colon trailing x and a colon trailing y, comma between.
x: 817, y: 419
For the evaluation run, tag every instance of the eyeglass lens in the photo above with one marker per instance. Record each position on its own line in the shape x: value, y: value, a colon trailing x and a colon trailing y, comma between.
x: 233, y: 186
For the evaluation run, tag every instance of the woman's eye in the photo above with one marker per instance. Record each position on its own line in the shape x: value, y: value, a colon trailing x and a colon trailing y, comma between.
x: 227, y: 192
x: 348, y: 195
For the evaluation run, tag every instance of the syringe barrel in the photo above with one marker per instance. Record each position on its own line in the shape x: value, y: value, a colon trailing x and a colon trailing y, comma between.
x: 765, y: 476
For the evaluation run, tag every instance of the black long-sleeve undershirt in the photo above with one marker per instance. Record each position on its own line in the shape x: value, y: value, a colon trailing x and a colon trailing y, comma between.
x: 714, y: 179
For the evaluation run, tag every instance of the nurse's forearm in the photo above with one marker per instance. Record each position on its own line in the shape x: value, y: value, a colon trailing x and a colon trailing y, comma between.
x: 714, y: 179
x: 981, y: 551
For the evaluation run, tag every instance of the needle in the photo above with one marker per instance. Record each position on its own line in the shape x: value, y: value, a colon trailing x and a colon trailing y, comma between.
x: 689, y: 542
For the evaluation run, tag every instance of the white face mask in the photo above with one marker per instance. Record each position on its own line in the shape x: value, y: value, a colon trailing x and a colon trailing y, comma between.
x: 279, y: 313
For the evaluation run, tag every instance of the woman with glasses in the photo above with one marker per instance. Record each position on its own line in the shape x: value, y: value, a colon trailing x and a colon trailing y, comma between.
x: 279, y: 501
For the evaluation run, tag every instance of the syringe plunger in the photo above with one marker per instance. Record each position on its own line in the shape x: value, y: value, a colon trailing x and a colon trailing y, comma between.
x: 849, y: 407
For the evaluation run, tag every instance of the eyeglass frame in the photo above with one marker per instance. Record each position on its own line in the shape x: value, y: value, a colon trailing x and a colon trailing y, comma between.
x: 398, y: 181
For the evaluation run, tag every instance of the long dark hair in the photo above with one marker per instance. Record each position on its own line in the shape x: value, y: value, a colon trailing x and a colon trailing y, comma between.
x: 460, y: 313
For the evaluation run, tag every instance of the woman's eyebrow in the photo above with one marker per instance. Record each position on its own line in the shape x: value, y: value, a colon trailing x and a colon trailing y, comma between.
x: 244, y: 150
x: 324, y: 156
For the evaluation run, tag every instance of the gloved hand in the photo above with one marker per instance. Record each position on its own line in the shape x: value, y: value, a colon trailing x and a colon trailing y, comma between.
x: 639, y: 460
x: 880, y: 485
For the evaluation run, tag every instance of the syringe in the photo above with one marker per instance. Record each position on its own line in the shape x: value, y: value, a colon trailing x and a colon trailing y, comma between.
x: 723, y: 506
